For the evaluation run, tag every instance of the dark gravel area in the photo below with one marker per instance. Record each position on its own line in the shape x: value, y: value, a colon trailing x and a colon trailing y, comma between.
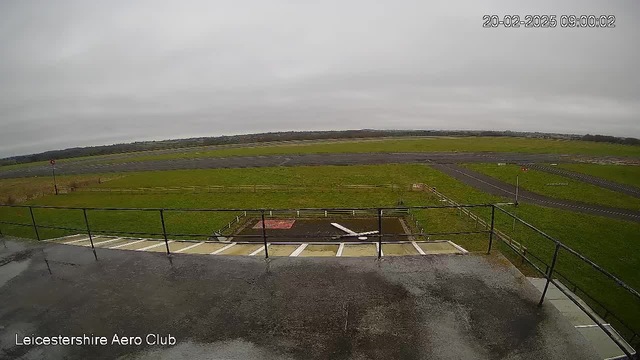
x: 321, y: 230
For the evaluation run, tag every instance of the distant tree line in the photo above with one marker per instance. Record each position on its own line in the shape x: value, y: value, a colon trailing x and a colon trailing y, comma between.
x: 611, y: 139
x: 289, y: 136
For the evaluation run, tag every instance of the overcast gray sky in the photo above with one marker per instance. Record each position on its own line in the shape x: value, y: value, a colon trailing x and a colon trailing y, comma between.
x: 76, y: 73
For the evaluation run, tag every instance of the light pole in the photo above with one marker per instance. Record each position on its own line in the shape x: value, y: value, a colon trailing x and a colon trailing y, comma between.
x: 517, y: 186
x: 53, y: 168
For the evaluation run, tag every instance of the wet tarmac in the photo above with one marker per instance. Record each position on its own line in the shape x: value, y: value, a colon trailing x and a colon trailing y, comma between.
x: 407, y: 307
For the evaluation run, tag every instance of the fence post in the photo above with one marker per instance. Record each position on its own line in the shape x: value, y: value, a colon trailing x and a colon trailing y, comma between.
x: 379, y: 233
x: 164, y: 231
x: 493, y: 215
x: 264, y: 237
x: 33, y: 220
x: 86, y: 221
x: 550, y: 274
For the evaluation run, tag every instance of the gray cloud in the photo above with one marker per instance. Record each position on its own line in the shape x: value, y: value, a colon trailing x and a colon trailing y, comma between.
x: 86, y: 73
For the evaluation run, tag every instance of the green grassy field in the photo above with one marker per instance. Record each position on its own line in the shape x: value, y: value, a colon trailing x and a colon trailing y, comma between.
x: 624, y: 174
x: 22, y: 189
x: 610, y: 243
x: 468, y: 144
x: 576, y: 190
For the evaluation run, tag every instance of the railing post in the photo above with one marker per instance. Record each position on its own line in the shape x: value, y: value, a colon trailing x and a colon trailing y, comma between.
x: 379, y: 233
x: 33, y: 220
x: 86, y: 221
x: 164, y: 231
x: 493, y: 216
x: 550, y: 274
x: 264, y: 237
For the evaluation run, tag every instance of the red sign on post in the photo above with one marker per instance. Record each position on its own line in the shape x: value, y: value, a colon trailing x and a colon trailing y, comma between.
x: 53, y: 162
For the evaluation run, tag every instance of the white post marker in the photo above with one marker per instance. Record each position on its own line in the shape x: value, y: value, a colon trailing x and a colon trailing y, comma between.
x: 188, y: 247
x: 299, y: 250
x: 222, y: 249
x: 517, y: 186
x: 160, y: 243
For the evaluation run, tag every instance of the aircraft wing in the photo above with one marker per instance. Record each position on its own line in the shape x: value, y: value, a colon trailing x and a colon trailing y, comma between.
x: 344, y: 229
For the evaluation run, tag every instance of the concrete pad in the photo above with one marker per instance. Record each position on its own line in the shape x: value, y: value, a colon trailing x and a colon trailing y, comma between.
x: 552, y: 292
x: 280, y: 250
x: 605, y: 347
x: 571, y: 311
x: 438, y: 248
x: 206, y: 248
x: 320, y: 250
x: 399, y: 249
x: 138, y: 245
x: 359, y: 250
x: 241, y: 249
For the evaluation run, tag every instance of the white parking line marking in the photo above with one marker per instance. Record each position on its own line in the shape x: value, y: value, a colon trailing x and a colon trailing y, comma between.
x: 379, y: 250
x: 125, y: 244
x: 222, y: 249
x: 261, y: 249
x: 590, y: 326
x: 188, y: 247
x: 154, y: 245
x: 418, y: 248
x: 106, y: 242
x: 75, y: 241
x: 62, y: 238
x: 340, y: 249
x: 299, y: 250
x: 463, y: 250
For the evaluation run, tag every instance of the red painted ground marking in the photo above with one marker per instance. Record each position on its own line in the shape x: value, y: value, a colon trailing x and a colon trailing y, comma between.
x: 275, y: 224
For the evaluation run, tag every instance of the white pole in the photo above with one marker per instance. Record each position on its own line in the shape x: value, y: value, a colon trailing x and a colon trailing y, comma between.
x: 517, y: 186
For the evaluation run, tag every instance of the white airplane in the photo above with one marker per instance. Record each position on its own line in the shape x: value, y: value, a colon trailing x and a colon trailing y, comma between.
x: 353, y: 233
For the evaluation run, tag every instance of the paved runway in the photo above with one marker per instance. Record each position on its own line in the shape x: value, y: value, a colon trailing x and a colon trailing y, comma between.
x: 291, y: 160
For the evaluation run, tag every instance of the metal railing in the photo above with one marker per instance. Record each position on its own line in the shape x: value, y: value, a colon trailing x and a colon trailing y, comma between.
x: 550, y: 271
x: 379, y: 213
x: 301, y: 212
x: 198, y: 189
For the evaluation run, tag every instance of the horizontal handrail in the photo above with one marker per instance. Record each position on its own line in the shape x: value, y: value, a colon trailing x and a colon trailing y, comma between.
x: 581, y: 257
x: 250, y: 209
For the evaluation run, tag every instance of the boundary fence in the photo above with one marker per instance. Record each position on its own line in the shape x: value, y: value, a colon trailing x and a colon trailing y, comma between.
x: 233, y: 188
x: 548, y: 273
x: 631, y: 336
